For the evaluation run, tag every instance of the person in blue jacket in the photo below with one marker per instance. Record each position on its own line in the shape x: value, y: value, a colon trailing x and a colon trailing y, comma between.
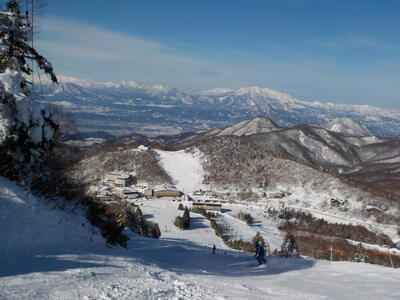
x: 260, y: 254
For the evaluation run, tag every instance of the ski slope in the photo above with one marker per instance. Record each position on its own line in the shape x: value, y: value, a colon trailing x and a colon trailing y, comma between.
x: 164, y: 213
x: 184, y: 167
x: 266, y: 227
x: 53, y: 253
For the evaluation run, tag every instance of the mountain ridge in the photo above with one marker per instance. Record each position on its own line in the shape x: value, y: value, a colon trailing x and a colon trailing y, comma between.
x: 347, y: 126
x: 132, y: 107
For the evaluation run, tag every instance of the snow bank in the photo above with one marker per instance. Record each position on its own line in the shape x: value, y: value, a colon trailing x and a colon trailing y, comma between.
x: 29, y: 224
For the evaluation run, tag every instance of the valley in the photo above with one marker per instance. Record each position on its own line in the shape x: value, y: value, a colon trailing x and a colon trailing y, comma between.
x: 111, y: 189
x: 301, y: 180
x: 276, y: 190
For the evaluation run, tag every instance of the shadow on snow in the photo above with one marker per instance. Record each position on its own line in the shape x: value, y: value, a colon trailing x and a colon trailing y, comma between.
x: 197, y: 223
x: 175, y: 255
x: 46, y: 263
x: 184, y: 257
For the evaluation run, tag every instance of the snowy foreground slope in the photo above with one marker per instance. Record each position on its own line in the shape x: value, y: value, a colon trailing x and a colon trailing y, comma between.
x: 48, y: 253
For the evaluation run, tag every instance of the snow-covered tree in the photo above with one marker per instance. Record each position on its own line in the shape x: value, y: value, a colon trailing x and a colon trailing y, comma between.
x: 15, y: 36
x: 26, y: 127
x: 360, y: 255
x: 184, y: 221
x: 289, y: 246
x: 258, y: 238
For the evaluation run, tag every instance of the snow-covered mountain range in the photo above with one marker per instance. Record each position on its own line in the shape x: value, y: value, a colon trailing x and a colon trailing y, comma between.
x: 121, y: 108
x: 343, y: 146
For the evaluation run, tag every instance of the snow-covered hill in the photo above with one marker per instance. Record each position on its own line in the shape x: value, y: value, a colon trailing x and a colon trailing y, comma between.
x: 121, y: 108
x: 252, y: 126
x: 31, y: 225
x: 347, y: 126
x: 344, y: 146
x: 311, y: 145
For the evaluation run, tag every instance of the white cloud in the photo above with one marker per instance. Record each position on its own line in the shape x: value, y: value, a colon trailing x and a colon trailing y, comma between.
x: 351, y: 42
x: 83, y: 49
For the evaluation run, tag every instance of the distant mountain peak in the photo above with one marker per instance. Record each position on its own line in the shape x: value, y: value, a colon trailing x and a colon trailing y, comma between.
x: 253, y: 96
x: 347, y: 126
x: 72, y: 86
x: 123, y: 84
x: 252, y: 126
x: 266, y: 93
x: 88, y: 83
x: 216, y: 91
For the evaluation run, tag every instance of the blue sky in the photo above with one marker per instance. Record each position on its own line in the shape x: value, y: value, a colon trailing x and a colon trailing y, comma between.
x: 327, y: 50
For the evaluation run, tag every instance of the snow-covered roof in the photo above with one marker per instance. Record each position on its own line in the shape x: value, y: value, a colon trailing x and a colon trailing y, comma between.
x: 124, y: 176
x: 105, y: 194
x: 129, y: 191
x: 164, y: 187
x: 120, y: 174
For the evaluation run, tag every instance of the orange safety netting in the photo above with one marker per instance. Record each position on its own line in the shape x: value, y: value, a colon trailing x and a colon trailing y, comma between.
x: 343, y: 252
x: 331, y: 249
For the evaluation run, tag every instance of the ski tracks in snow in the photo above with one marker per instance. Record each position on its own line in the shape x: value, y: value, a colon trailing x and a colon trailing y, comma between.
x: 153, y: 283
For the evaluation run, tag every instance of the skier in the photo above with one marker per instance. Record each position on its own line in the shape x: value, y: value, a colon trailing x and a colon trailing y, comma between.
x: 260, y: 254
x: 213, y: 250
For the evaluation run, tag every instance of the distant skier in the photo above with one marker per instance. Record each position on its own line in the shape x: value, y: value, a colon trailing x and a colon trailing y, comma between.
x: 213, y: 250
x: 260, y: 254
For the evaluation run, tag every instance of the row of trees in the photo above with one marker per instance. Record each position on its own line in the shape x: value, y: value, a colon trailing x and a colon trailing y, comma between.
x: 115, y: 217
x: 246, y: 217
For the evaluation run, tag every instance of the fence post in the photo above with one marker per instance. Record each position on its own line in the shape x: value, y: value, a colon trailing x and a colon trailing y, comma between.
x: 331, y: 253
x: 390, y: 258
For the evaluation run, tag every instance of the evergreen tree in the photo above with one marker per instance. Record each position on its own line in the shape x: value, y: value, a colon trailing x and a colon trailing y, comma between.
x: 186, y: 218
x: 184, y: 221
x: 154, y: 231
x: 289, y: 246
x: 26, y: 128
x: 258, y: 238
x: 15, y: 35
x: 137, y: 223
x: 360, y: 255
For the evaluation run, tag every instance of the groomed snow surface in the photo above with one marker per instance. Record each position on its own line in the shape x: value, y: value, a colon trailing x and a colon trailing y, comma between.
x: 51, y: 252
x: 184, y: 167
